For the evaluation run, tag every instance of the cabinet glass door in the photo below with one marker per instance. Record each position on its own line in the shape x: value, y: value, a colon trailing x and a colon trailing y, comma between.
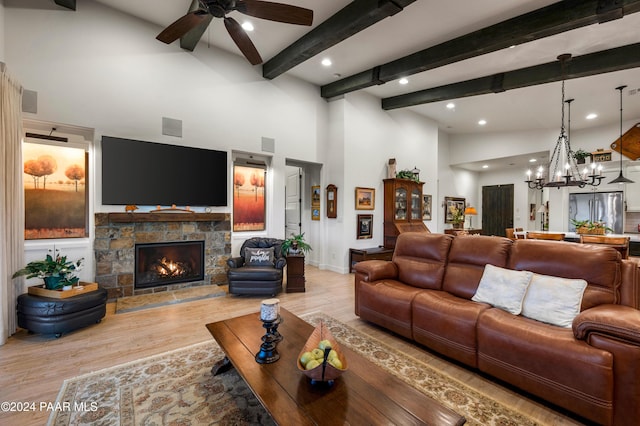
x: 416, y: 199
x: 401, y: 204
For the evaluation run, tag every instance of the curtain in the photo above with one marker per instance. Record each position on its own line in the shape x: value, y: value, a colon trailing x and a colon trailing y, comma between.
x: 11, y: 201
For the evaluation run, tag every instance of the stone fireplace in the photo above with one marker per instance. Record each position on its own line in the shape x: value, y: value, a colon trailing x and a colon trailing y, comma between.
x: 196, y: 243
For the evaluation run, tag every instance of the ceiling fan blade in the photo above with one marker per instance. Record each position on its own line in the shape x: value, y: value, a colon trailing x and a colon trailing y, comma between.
x: 275, y: 11
x: 242, y: 40
x: 181, y: 26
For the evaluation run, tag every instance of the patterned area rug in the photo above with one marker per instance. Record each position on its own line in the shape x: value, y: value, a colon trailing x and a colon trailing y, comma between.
x: 177, y: 388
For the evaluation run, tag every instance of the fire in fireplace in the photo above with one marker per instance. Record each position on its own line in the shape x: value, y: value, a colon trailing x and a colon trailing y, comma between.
x: 168, y: 263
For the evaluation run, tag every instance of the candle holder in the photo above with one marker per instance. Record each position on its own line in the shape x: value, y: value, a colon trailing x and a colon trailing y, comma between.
x: 268, y: 352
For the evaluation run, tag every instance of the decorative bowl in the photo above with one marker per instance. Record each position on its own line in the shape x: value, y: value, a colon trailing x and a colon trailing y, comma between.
x: 327, y: 372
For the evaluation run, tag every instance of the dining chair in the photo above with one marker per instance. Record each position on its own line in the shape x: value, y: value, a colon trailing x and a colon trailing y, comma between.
x: 559, y: 236
x: 619, y: 243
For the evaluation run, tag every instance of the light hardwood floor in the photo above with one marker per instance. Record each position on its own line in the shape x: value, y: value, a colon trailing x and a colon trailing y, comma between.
x: 33, y: 367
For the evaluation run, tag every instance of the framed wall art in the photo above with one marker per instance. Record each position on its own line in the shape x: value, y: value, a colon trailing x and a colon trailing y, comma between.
x: 451, y: 206
x: 55, y: 191
x: 426, y: 207
x: 249, y: 209
x: 365, y: 226
x: 365, y: 198
x: 315, y: 196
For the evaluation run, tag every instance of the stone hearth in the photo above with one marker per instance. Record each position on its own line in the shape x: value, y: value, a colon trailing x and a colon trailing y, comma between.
x: 118, y: 233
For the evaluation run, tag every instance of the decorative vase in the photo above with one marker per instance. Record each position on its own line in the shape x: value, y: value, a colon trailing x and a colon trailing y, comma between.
x: 52, y: 283
x: 457, y: 225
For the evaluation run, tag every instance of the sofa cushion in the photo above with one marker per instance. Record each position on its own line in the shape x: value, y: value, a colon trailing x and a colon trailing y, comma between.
x: 552, y: 258
x: 258, y: 256
x: 421, y: 258
x: 447, y: 324
x: 553, y: 300
x: 467, y: 258
x: 388, y: 303
x: 547, y: 361
x: 503, y: 288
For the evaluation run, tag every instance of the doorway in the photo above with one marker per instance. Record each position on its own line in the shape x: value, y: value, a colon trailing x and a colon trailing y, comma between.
x: 497, y: 209
x: 293, y: 201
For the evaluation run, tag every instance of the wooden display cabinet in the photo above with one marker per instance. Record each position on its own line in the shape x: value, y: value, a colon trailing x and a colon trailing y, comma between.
x: 402, y: 209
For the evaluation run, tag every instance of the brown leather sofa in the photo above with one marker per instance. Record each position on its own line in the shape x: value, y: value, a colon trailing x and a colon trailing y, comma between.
x: 592, y: 368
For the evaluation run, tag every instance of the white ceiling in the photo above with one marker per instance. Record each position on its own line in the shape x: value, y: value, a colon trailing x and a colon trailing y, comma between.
x: 425, y: 23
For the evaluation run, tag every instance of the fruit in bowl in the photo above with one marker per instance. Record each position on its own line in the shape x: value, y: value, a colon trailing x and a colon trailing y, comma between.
x: 321, y: 358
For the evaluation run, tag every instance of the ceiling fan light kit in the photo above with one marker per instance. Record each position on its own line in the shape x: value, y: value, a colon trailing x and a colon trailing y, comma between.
x: 271, y: 11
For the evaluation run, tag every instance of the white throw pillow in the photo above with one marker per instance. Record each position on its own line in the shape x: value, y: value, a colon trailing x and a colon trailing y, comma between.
x: 503, y: 288
x: 553, y: 300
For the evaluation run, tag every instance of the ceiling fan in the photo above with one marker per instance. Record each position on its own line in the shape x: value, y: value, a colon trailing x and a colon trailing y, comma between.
x: 220, y: 8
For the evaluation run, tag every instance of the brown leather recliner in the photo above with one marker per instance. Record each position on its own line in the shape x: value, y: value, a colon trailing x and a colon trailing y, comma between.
x: 262, y: 275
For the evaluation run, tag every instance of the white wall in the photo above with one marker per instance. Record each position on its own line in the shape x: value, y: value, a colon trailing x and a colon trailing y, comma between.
x: 100, y: 69
x: 2, y: 25
x: 104, y: 70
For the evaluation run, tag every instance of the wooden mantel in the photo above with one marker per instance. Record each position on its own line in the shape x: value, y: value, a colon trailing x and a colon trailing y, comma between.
x: 166, y: 217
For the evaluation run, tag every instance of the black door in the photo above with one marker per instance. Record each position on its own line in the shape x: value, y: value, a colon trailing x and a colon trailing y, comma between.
x: 497, y: 209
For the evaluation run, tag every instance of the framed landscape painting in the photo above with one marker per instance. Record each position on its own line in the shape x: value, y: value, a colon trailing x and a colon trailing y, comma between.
x: 249, y: 209
x: 365, y: 198
x: 55, y: 191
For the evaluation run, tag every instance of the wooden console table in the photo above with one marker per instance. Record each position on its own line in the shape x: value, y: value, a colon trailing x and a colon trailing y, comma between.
x: 358, y: 255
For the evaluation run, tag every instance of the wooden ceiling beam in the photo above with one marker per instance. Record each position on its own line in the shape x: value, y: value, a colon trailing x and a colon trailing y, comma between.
x: 620, y: 58
x: 350, y: 20
x: 69, y: 4
x: 554, y: 19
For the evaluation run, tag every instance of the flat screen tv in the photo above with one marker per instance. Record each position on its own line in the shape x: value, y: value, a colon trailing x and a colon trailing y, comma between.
x: 151, y: 174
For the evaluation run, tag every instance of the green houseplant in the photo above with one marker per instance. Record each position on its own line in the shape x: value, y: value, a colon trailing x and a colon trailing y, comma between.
x: 457, y: 217
x: 590, y: 227
x: 407, y: 174
x: 295, y: 244
x: 580, y: 155
x: 57, y: 272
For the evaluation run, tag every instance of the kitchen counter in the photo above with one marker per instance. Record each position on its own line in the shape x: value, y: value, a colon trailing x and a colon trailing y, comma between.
x: 635, y: 237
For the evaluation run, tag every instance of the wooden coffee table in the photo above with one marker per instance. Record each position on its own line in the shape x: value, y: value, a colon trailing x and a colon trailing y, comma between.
x: 364, y: 394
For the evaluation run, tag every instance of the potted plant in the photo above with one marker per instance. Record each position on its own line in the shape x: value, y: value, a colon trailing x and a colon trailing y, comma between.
x: 457, y: 217
x: 407, y: 174
x: 57, y: 272
x: 295, y: 245
x: 580, y: 155
x: 590, y: 227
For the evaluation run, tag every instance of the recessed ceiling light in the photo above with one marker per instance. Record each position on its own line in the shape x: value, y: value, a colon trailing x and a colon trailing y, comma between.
x: 403, y: 81
x: 482, y: 122
x: 451, y: 105
x: 532, y: 160
x: 326, y: 62
x: 512, y: 46
x: 485, y: 166
x: 247, y: 26
x: 591, y: 116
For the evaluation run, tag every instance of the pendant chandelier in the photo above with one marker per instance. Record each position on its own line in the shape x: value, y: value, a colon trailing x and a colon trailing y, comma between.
x: 621, y: 179
x: 562, y: 169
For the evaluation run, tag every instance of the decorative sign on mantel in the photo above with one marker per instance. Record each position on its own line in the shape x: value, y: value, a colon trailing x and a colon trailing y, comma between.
x: 600, y: 155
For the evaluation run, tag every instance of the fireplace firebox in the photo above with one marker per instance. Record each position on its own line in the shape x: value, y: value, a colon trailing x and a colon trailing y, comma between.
x: 159, y: 264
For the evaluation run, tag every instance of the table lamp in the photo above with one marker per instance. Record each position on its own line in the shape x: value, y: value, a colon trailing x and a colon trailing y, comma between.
x: 470, y: 211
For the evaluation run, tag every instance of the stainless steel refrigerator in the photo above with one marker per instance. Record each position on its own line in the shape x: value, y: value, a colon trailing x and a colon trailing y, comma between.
x: 604, y: 207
